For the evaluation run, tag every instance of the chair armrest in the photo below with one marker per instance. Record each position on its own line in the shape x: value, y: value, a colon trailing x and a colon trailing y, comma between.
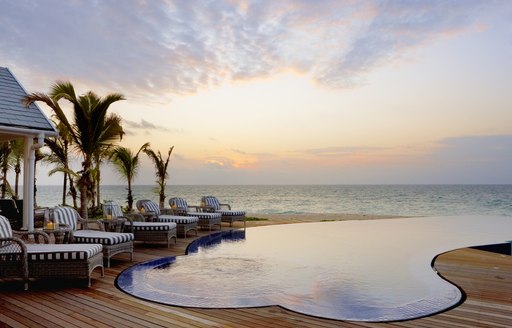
x: 115, y: 225
x: 208, y: 208
x: 195, y: 208
x: 130, y: 218
x: 85, y: 224
x: 38, y: 235
x: 181, y: 211
x: 13, y: 245
x: 227, y: 205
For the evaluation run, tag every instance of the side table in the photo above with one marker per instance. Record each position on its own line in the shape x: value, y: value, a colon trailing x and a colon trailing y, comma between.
x: 113, y: 225
x: 60, y: 235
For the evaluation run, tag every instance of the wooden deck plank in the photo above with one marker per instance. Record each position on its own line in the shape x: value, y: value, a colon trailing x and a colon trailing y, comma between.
x: 485, y: 277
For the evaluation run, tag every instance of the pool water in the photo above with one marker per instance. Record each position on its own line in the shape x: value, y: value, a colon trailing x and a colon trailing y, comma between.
x: 352, y: 270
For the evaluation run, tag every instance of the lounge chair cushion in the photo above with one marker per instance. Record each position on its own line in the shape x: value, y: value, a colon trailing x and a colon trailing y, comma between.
x: 101, y: 237
x: 231, y: 213
x: 5, y: 228
x: 213, y: 202
x: 207, y: 216
x: 66, y: 215
x: 152, y: 226
x: 178, y: 202
x: 59, y: 252
x: 178, y: 219
x: 112, y: 208
x: 150, y: 206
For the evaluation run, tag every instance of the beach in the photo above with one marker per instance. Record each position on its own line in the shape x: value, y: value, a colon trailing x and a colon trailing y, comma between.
x: 270, y: 219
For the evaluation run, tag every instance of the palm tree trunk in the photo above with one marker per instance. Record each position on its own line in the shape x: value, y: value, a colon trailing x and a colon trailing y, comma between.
x: 130, y: 196
x: 64, y: 189
x: 17, y: 170
x: 83, y: 200
x: 98, y: 196
x: 85, y: 187
x: 72, y: 191
x: 162, y: 197
x: 35, y: 184
x: 4, y: 184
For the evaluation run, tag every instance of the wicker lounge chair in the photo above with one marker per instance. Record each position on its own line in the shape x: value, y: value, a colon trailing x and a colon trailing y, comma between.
x: 22, y: 260
x: 142, y: 231
x: 179, y: 206
x: 211, y: 204
x: 184, y: 223
x: 113, y: 242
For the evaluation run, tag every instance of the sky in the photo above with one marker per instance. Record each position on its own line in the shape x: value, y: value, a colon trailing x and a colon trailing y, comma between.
x: 284, y: 92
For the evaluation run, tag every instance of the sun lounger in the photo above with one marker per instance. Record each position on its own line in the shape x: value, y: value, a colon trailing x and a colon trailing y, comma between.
x: 22, y: 260
x: 211, y: 204
x: 142, y: 231
x: 179, y: 206
x: 113, y: 242
x: 184, y: 223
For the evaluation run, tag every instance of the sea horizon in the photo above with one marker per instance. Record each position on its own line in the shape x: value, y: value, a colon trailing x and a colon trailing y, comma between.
x: 368, y: 199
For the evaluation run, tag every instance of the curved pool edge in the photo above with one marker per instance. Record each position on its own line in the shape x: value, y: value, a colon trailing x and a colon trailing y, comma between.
x: 151, y: 264
x: 447, y: 301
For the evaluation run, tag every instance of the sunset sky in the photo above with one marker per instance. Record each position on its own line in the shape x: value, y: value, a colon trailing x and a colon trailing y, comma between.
x: 285, y: 92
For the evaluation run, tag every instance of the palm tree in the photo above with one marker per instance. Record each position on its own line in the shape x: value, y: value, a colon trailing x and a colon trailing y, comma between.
x: 127, y: 164
x: 59, y: 157
x: 99, y: 156
x: 91, y: 130
x: 38, y: 156
x: 5, y: 164
x: 17, y: 154
x: 161, y: 171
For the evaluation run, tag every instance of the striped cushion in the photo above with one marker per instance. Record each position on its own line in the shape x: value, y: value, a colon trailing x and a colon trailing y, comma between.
x: 178, y: 219
x: 56, y: 252
x: 211, y: 201
x: 66, y: 215
x: 112, y: 208
x: 231, y: 213
x: 101, y: 237
x: 150, y: 206
x: 153, y: 226
x: 5, y: 228
x: 178, y: 202
x: 207, y: 216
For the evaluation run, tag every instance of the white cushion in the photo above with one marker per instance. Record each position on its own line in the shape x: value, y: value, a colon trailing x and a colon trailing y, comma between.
x: 57, y: 252
x: 101, y: 237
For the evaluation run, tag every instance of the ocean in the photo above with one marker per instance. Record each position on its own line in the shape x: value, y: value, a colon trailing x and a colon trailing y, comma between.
x: 400, y: 200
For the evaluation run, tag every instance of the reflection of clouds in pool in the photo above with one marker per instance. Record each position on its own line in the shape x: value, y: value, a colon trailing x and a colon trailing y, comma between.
x: 352, y: 270
x: 193, y: 276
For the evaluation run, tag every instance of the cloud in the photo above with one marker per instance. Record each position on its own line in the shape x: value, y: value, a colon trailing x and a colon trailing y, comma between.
x: 151, y: 49
x: 144, y: 125
x: 340, y: 151
x: 218, y: 163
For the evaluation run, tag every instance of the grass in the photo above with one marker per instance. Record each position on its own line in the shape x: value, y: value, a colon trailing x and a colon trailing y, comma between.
x: 251, y: 218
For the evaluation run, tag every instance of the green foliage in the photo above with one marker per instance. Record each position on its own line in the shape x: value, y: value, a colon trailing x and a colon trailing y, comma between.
x: 252, y: 218
x: 92, y: 130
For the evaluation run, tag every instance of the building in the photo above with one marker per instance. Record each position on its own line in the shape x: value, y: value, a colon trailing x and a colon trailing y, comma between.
x: 29, y: 123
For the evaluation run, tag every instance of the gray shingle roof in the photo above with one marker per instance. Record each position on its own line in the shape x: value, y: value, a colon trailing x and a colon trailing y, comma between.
x: 12, y: 112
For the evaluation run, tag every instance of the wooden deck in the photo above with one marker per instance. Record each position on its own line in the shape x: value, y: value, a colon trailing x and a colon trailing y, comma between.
x: 485, y: 277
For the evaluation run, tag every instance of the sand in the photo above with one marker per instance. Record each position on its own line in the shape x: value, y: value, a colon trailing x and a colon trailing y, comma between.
x: 310, y: 217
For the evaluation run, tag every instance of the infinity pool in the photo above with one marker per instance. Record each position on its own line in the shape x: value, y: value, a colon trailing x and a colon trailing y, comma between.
x: 376, y: 270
